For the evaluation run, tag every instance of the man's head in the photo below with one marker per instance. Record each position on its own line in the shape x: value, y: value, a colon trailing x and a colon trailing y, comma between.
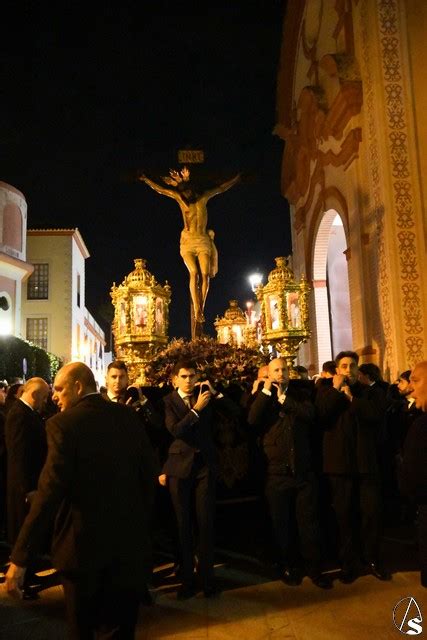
x: 3, y: 392
x: 72, y: 382
x: 263, y: 372
x: 369, y: 373
x: 418, y: 381
x: 36, y: 392
x: 347, y: 362
x: 404, y: 384
x: 329, y: 369
x: 117, y: 379
x: 184, y: 376
x: 300, y: 372
x: 278, y: 371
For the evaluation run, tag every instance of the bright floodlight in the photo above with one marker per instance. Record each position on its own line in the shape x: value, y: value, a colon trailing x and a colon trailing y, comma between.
x: 255, y: 279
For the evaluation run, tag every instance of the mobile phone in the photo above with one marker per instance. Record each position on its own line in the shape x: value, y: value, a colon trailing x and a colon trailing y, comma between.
x: 204, y: 387
x: 132, y: 392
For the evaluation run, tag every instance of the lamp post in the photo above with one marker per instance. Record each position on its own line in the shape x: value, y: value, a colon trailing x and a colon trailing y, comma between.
x: 255, y: 279
x: 141, y: 319
x: 284, y: 310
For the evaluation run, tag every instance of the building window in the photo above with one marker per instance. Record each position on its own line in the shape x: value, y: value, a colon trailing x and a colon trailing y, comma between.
x: 37, y: 331
x: 78, y: 289
x: 38, y: 283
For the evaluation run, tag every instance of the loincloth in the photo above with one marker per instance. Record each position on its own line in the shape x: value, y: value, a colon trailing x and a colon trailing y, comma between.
x: 197, y: 244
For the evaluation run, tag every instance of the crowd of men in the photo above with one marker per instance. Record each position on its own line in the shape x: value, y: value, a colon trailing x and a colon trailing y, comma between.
x: 89, y: 481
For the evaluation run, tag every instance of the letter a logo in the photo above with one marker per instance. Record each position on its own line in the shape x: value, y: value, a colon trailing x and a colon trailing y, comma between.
x: 407, y: 617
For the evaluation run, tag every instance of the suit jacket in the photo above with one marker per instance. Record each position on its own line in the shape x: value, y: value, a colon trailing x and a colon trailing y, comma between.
x: 352, y: 428
x: 192, y: 433
x: 414, y: 468
x: 98, y: 485
x: 286, y: 429
x: 26, y: 454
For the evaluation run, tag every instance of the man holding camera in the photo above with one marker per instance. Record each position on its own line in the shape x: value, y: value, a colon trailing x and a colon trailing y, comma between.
x: 191, y: 469
x: 352, y: 415
x: 284, y: 413
x: 118, y: 390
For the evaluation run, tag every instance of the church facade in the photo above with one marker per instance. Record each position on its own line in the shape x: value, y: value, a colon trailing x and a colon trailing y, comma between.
x: 351, y: 110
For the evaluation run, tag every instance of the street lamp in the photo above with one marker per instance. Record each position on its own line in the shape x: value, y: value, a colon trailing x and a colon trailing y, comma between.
x: 255, y: 279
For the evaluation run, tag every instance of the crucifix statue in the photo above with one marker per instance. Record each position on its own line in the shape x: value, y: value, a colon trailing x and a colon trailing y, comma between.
x: 197, y: 247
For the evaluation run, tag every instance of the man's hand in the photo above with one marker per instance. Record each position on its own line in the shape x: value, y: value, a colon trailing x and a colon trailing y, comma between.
x: 267, y: 384
x: 202, y: 401
x: 338, y: 381
x: 14, y: 580
x: 163, y: 480
x: 256, y: 384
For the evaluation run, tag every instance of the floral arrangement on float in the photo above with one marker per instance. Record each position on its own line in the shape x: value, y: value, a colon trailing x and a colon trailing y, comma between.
x: 222, y: 364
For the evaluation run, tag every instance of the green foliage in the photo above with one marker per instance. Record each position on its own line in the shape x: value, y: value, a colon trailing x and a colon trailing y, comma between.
x: 39, y: 362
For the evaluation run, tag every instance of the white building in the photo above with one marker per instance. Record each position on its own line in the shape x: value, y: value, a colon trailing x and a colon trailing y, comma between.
x: 14, y: 269
x: 54, y: 315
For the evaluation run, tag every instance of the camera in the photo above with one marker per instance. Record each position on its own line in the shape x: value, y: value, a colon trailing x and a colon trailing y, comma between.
x: 203, y: 387
x: 132, y: 392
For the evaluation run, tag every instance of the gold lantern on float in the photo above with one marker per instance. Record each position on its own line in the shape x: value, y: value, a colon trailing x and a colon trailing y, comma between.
x: 141, y: 319
x: 284, y: 311
x: 231, y: 327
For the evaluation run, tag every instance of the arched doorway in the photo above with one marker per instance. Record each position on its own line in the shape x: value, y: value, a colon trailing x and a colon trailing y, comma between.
x: 331, y: 290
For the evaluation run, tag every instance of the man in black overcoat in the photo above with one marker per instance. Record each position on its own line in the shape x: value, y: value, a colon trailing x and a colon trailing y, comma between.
x: 191, y: 469
x: 284, y: 414
x: 414, y: 468
x: 352, y: 415
x: 26, y: 451
x: 97, y: 486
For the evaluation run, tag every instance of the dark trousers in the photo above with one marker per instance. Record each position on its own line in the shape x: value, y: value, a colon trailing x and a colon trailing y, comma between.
x: 422, y: 542
x: 357, y: 504
x: 195, y: 495
x: 101, y: 609
x: 293, y: 510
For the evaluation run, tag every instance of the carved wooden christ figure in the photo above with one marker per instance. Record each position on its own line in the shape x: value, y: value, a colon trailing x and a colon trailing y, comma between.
x: 197, y: 246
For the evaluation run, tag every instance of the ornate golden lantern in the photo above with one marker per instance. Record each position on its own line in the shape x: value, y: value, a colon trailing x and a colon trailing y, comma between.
x: 234, y: 328
x: 284, y: 311
x: 141, y: 319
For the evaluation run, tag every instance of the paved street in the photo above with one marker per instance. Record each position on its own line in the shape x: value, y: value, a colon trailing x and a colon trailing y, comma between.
x: 251, y: 607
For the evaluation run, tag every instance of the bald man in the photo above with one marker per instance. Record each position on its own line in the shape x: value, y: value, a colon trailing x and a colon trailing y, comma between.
x: 414, y: 471
x: 26, y: 451
x: 284, y: 415
x: 97, y: 485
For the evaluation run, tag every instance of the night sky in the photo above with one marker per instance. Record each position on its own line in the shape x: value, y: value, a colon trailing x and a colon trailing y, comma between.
x: 88, y: 97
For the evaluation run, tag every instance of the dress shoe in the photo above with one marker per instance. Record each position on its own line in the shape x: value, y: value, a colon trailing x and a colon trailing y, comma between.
x: 292, y: 577
x: 212, y: 592
x: 322, y: 581
x: 185, y: 592
x: 347, y: 576
x: 379, y: 572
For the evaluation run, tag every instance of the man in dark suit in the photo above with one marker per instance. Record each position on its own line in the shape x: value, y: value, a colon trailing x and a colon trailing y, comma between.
x: 97, y: 485
x: 284, y: 413
x: 191, y: 468
x: 118, y: 390
x: 414, y: 471
x: 351, y: 415
x: 26, y: 451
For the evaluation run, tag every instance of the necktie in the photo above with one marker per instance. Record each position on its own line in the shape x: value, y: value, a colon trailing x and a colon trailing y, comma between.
x: 188, y: 401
